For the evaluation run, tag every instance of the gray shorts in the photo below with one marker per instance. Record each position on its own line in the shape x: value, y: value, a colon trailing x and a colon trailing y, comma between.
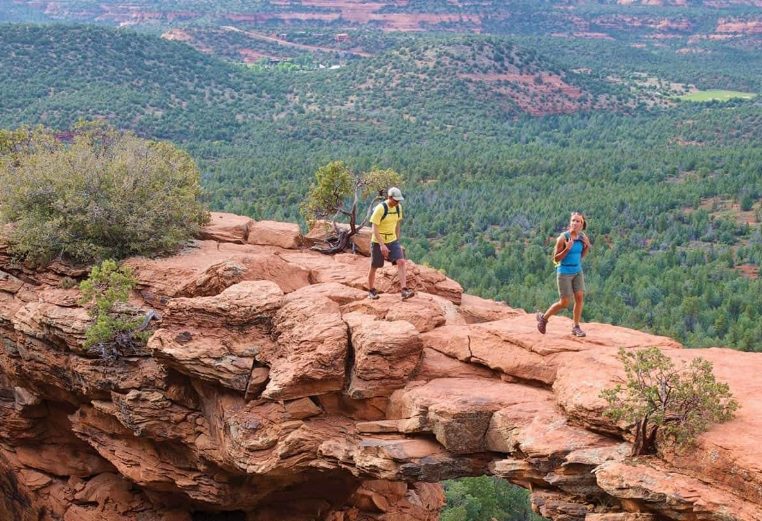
x: 568, y: 285
x: 395, y: 253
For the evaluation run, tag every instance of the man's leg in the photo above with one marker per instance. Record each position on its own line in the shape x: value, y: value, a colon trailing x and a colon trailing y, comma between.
x: 376, y: 261
x: 372, y: 277
x: 402, y: 271
x: 397, y: 255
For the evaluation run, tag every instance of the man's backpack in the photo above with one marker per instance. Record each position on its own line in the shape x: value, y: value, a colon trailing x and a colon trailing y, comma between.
x: 398, y: 213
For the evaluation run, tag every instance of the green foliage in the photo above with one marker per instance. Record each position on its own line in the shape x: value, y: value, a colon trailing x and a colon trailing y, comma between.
x: 338, y: 191
x: 107, y: 194
x: 486, y: 498
x: 716, y: 95
x: 333, y: 184
x: 107, y: 287
x: 669, y: 406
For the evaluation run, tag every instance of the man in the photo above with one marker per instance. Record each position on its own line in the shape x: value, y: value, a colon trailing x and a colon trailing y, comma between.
x: 385, y: 234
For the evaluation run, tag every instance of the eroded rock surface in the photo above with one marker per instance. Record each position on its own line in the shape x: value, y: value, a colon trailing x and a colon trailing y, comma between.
x: 273, y: 389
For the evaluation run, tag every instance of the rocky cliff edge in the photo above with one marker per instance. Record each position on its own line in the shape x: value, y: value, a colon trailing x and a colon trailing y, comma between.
x: 273, y: 389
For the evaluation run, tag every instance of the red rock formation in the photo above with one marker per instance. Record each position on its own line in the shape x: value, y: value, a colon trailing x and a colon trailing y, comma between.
x: 273, y: 389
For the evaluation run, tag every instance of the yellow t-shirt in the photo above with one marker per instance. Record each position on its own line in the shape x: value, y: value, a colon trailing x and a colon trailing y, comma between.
x: 388, y: 227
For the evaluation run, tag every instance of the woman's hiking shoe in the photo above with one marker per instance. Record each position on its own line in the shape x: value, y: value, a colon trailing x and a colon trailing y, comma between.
x: 577, y: 331
x: 541, y: 322
x: 373, y: 294
x: 406, y: 293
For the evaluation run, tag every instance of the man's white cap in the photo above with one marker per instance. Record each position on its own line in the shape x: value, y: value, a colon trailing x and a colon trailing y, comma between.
x: 395, y: 194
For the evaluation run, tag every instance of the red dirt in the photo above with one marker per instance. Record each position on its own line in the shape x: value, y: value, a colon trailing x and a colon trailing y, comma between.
x: 750, y: 271
x: 739, y: 26
x: 286, y: 43
x: 359, y: 12
x: 177, y: 35
x: 251, y: 56
x: 562, y: 96
x: 717, y: 206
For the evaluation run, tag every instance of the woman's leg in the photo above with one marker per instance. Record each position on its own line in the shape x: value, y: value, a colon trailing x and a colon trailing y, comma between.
x: 579, y: 301
x: 564, y: 293
x: 562, y: 303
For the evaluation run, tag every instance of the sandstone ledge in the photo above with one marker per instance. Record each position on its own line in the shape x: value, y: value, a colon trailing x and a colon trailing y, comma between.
x: 272, y: 386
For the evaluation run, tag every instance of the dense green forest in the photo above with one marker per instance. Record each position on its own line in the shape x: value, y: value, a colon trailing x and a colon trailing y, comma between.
x: 672, y: 194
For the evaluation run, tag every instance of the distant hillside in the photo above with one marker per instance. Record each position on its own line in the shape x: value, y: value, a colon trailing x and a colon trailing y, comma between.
x: 710, y: 44
x: 57, y: 74
x: 388, y: 15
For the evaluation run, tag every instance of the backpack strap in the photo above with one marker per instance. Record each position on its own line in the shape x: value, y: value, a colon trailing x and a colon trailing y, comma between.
x: 386, y: 210
x: 556, y: 264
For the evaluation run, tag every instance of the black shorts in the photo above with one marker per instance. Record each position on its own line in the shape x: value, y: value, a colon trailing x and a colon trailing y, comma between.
x: 395, y: 253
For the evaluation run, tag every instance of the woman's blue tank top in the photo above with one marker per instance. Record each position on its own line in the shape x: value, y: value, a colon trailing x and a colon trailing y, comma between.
x: 572, y: 263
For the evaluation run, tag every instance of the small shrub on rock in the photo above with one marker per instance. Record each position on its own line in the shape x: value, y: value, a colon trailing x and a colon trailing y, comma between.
x: 108, y: 287
x: 667, y: 405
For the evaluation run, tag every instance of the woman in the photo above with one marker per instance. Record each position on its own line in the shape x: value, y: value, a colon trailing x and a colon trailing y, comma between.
x: 571, y: 247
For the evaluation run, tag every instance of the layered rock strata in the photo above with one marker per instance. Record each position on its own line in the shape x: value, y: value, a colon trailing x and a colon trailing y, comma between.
x: 271, y: 388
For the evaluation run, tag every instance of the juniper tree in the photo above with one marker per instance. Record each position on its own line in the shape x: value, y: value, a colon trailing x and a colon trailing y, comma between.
x: 666, y: 405
x: 338, y: 193
x: 113, y: 326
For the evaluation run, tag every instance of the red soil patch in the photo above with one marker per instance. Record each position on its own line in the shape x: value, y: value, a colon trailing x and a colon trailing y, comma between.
x: 128, y: 15
x: 750, y: 271
x: 717, y: 207
x: 550, y: 83
x: 177, y: 35
x: 360, y: 12
x: 251, y: 56
x: 739, y: 26
x: 560, y: 97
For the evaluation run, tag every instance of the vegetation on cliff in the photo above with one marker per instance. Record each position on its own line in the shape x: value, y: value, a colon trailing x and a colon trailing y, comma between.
x: 486, y: 498
x: 341, y: 195
x: 106, y: 291
x: 668, y: 407
x: 104, y: 194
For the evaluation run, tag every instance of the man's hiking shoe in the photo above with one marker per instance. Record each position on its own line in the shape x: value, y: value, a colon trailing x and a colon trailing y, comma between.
x: 407, y: 293
x: 373, y: 294
x: 577, y: 331
x: 541, y: 322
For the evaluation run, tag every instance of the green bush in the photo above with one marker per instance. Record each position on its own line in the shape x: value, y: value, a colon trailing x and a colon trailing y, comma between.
x: 107, y: 194
x: 667, y: 406
x: 108, y: 286
x: 486, y: 498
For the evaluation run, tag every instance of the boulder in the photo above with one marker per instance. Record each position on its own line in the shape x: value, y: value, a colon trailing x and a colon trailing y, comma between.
x: 385, y: 355
x: 273, y: 233
x: 227, y: 227
x: 310, y: 353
